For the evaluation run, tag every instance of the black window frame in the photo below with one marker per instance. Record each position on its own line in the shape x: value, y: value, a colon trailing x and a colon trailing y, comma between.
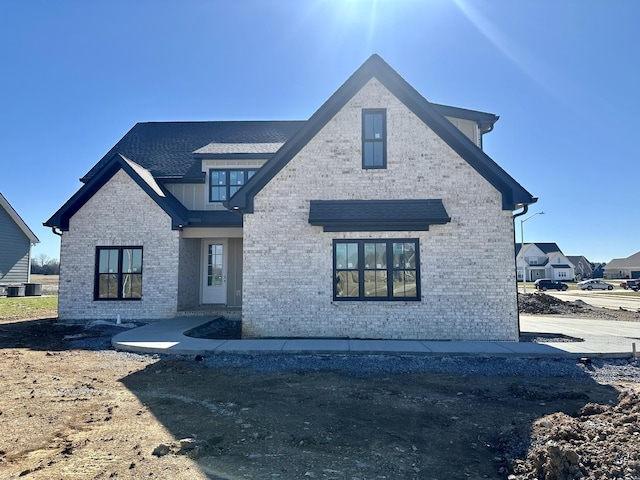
x: 390, y: 269
x: 246, y: 171
x: 120, y: 274
x: 369, y: 163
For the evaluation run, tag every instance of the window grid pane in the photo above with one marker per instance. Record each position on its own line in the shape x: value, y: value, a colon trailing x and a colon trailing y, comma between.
x: 373, y: 139
x: 119, y: 273
x: 224, y: 184
x: 404, y: 270
x: 363, y: 270
x: 346, y: 268
x: 214, y: 267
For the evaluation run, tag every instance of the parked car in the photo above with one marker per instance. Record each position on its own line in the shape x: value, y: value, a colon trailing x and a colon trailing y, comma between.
x: 631, y: 284
x: 594, y: 285
x: 544, y: 284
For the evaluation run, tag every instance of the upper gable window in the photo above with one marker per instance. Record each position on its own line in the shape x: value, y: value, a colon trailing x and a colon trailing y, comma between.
x: 224, y: 183
x: 374, y: 138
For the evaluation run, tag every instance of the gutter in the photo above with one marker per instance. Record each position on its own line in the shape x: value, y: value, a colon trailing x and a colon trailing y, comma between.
x: 525, y: 209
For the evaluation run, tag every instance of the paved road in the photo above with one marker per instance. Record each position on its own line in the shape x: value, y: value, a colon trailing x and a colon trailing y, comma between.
x: 615, y: 298
x: 606, y: 299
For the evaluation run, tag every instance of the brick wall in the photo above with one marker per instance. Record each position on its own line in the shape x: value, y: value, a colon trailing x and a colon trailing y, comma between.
x: 467, y: 265
x: 119, y: 214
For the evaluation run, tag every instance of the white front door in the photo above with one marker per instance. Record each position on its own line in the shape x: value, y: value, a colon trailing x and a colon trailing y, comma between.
x: 214, y: 271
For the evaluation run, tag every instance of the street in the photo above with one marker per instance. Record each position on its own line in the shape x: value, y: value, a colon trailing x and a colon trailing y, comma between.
x: 615, y: 299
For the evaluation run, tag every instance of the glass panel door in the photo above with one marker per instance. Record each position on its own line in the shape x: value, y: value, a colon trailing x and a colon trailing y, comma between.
x: 214, y: 269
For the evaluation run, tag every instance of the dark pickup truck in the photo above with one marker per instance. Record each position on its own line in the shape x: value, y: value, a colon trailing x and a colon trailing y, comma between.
x: 631, y: 284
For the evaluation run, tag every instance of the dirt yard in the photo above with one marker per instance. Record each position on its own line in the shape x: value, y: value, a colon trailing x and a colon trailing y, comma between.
x: 74, y: 408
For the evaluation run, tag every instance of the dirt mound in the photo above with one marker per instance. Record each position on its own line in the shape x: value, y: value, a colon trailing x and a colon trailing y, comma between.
x: 601, y: 441
x: 541, y: 303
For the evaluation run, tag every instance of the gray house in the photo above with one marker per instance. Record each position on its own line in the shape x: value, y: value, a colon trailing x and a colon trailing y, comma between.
x: 628, y: 267
x: 365, y: 221
x: 16, y: 239
x: 583, y: 268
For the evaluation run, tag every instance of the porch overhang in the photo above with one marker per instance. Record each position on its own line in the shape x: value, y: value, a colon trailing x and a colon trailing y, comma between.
x: 377, y: 215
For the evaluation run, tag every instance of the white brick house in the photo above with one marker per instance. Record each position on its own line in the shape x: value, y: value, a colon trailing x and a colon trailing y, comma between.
x: 373, y: 219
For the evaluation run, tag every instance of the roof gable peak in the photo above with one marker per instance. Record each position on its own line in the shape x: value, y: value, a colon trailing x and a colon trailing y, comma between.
x: 513, y: 194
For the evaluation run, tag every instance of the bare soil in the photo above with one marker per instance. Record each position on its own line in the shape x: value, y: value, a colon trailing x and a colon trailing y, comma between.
x: 543, y: 304
x: 75, y: 408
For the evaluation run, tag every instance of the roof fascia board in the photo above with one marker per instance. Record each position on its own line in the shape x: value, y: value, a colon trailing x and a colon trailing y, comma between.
x: 243, y: 199
x: 61, y: 218
x: 513, y: 194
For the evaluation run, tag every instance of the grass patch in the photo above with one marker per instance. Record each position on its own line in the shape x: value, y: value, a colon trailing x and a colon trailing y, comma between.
x: 28, y: 307
x: 45, y: 279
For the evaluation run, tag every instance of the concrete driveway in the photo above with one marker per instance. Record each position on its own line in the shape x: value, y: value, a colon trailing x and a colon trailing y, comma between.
x: 600, y: 336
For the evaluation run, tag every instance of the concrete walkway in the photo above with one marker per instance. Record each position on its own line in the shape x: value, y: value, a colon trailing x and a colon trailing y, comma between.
x: 601, y: 338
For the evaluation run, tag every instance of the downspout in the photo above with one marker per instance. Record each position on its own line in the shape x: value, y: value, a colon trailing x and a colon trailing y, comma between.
x: 56, y: 231
x: 525, y: 209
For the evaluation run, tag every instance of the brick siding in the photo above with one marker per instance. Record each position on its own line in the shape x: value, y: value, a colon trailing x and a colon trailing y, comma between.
x: 467, y: 265
x: 119, y: 214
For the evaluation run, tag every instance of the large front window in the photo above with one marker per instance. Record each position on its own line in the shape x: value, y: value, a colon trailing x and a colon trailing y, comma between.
x: 118, y: 273
x: 224, y: 183
x: 376, y: 269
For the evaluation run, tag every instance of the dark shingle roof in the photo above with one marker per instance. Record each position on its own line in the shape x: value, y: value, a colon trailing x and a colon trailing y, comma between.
x: 180, y: 215
x: 166, y: 148
x: 377, y: 215
x: 544, y: 247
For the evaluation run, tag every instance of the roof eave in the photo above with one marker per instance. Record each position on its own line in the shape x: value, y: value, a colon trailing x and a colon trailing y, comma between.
x: 512, y: 192
x: 60, y: 219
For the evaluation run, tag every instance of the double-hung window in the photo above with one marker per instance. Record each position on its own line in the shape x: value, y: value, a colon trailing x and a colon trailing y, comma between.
x: 374, y: 138
x: 376, y: 269
x: 224, y: 183
x: 118, y: 273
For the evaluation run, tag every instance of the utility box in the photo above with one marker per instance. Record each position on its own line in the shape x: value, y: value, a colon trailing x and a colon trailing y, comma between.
x: 33, y: 289
x: 15, y: 291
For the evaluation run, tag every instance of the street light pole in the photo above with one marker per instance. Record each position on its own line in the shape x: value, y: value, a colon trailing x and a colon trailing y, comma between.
x: 524, y: 266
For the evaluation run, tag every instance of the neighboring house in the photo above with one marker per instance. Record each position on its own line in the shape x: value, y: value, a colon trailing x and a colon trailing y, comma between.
x: 543, y: 260
x: 583, y: 268
x: 16, y: 239
x: 376, y: 218
x: 623, y: 267
x: 598, y: 270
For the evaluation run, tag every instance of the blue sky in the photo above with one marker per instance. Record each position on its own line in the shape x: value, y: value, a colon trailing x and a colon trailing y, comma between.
x: 562, y: 74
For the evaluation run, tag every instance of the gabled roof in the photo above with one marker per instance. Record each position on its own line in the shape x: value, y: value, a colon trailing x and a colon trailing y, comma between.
x: 545, y: 248
x: 4, y: 203
x: 171, y: 150
x: 632, y: 261
x: 179, y: 214
x: 513, y: 194
x: 484, y: 120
